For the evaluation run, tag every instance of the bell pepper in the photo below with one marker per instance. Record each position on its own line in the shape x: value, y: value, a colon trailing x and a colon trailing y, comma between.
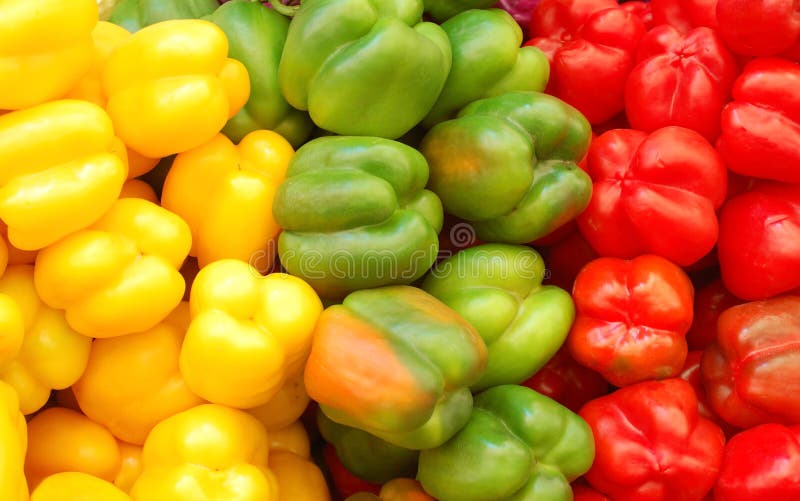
x: 345, y: 483
x: 685, y: 15
x: 47, y: 47
x: 130, y: 465
x: 527, y: 447
x: 398, y: 489
x: 692, y: 374
x: 256, y: 35
x: 487, y: 60
x: 136, y: 188
x: 632, y: 318
x: 49, y: 355
x: 120, y: 275
x: 225, y: 193
x: 132, y: 382
x: 759, y: 241
x: 13, y: 254
x: 13, y: 435
x: 567, y: 382
x: 292, y: 438
x: 61, y: 440
x: 133, y: 15
x: 77, y: 486
x: 364, y: 67
x: 709, y: 302
x: 207, y: 453
x: 654, y: 194
x: 62, y: 168
x: 507, y: 165
x: 355, y: 214
x: 184, y: 63
x: 583, y: 493
x: 748, y: 369
x: 651, y: 444
x: 761, y: 464
x: 286, y: 407
x: 566, y: 258
x: 443, y: 10
x: 591, y: 46
x: 642, y: 9
x: 397, y: 363
x: 682, y: 80
x: 298, y: 478
x: 761, y: 127
x: 498, y: 289
x: 249, y: 333
x: 758, y: 27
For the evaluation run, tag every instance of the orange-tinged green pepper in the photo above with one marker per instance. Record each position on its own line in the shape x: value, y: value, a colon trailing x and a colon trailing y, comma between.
x: 13, y: 436
x: 249, y: 333
x: 130, y: 465
x: 172, y: 87
x: 207, y: 453
x: 225, y: 192
x: 61, y: 168
x: 51, y: 355
x: 298, y: 478
x: 77, y: 486
x: 120, y: 275
x: 293, y: 438
x: 285, y: 407
x: 45, y: 47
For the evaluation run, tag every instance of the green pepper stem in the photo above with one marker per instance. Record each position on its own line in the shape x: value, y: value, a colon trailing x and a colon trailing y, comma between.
x: 286, y: 10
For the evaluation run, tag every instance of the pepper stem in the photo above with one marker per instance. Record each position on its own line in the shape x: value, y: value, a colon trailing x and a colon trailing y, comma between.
x: 281, y: 8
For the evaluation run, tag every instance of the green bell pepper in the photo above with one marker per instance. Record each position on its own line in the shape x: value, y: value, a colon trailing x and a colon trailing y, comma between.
x: 518, y: 445
x: 508, y: 165
x: 134, y: 15
x: 364, y: 67
x: 256, y: 35
x: 397, y: 363
x: 498, y: 289
x: 442, y: 10
x: 487, y: 61
x: 355, y: 214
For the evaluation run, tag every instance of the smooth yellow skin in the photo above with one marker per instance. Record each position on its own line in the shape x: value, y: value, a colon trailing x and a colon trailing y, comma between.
x: 249, y: 333
x: 62, y: 440
x: 61, y: 168
x: 130, y: 466
x: 12, y: 254
x: 207, y: 453
x: 14, y: 440
x: 3, y: 255
x: 45, y: 48
x: 285, y: 407
x: 136, y: 188
x: 293, y: 438
x: 119, y: 276
x: 12, y: 331
x: 52, y: 355
x: 172, y: 87
x: 298, y: 478
x: 225, y: 193
x: 77, y: 486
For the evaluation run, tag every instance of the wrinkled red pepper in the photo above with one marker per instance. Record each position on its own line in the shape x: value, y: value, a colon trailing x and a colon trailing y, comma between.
x: 685, y: 15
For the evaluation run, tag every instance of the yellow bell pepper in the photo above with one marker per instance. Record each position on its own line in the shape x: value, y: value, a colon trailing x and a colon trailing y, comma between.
x: 172, y: 87
x: 12, y: 331
x: 225, y: 193
x: 285, y: 407
x: 298, y: 478
x: 77, y: 486
x: 52, y: 355
x: 45, y: 47
x: 132, y: 382
x: 249, y: 333
x: 136, y: 188
x: 130, y: 466
x: 61, y: 440
x: 3, y: 255
x: 14, y: 443
x: 207, y: 453
x: 120, y: 275
x: 293, y: 438
x: 14, y: 255
x: 61, y: 168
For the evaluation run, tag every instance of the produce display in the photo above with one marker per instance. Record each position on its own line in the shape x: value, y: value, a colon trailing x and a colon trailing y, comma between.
x: 399, y: 250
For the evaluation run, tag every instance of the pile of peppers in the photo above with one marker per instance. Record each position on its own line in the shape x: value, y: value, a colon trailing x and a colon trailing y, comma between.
x: 399, y: 250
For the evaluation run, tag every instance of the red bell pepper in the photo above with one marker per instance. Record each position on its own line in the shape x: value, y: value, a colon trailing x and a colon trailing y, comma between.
x: 752, y: 372
x: 345, y: 483
x: 691, y: 374
x: 566, y: 258
x: 759, y: 27
x: 685, y: 15
x: 591, y: 46
x: 567, y: 382
x: 654, y: 194
x: 583, y: 493
x: 709, y: 302
x: 631, y: 318
x: 761, y: 464
x: 651, y: 444
x: 643, y: 10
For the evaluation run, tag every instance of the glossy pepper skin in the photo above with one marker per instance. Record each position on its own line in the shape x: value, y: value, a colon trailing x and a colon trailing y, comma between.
x: 256, y: 35
x: 395, y: 362
x: 751, y: 370
x: 653, y: 426
x: 339, y: 53
x: 133, y: 15
x: 761, y: 464
x: 654, y: 194
x: 759, y: 244
x: 285, y: 407
x: 530, y: 447
x: 225, y: 193
x: 567, y: 382
x: 685, y: 15
x: 46, y: 48
x: 228, y: 460
x: 13, y: 433
x: 761, y: 127
x: 77, y: 486
x: 120, y: 275
x: 62, y: 168
x: 298, y: 477
x: 591, y: 46
x: 632, y: 318
x: 249, y: 333
x: 709, y: 302
x: 398, y: 489
x: 182, y: 62
x: 487, y: 60
x: 498, y: 289
x: 355, y: 214
x: 507, y: 165
x: 758, y: 27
